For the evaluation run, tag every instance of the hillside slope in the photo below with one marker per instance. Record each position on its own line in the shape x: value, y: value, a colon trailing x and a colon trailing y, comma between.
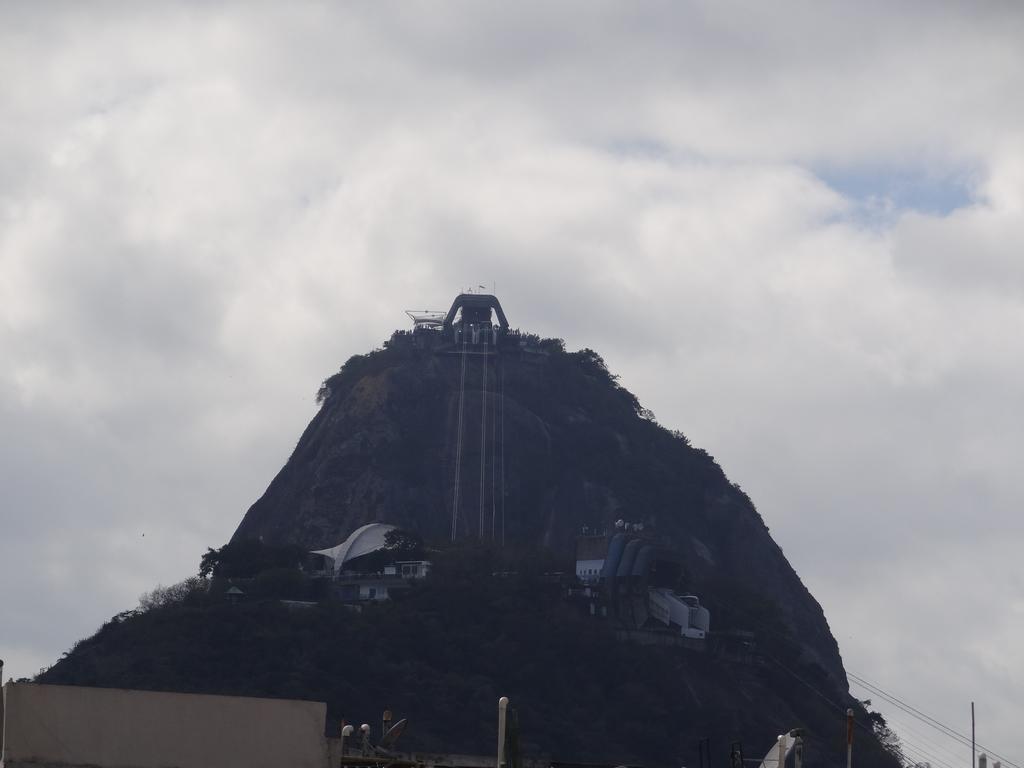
x: 444, y: 654
x: 544, y: 443
x: 564, y: 447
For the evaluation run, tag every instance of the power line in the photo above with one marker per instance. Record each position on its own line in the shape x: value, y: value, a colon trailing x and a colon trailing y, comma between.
x: 494, y: 439
x: 458, y: 448
x: 858, y: 724
x: 927, y: 719
x: 896, y: 717
x: 913, y: 754
x: 483, y: 449
x: 825, y: 697
x: 928, y: 754
x: 912, y: 711
x: 922, y: 755
x: 918, y: 714
x: 944, y: 730
x: 501, y: 386
x: 959, y: 758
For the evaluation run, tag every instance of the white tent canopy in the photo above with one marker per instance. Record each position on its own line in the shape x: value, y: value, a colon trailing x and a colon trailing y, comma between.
x: 362, y: 541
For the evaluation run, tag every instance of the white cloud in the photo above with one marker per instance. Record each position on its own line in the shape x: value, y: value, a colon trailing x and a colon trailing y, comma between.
x: 204, y: 210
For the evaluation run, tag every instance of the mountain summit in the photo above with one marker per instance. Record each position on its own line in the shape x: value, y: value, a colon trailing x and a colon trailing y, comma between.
x: 508, y: 457
x: 464, y: 428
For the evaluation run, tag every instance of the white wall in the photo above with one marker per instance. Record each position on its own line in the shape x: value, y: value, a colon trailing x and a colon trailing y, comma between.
x: 113, y: 728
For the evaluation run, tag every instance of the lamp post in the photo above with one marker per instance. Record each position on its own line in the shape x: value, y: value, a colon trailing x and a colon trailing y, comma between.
x: 849, y: 738
x: 502, y: 716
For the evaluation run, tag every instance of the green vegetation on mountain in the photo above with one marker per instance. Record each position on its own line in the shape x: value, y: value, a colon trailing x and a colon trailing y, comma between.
x: 544, y: 442
x: 445, y: 652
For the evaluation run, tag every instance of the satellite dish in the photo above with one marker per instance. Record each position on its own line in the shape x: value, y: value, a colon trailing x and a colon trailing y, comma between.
x: 388, y: 739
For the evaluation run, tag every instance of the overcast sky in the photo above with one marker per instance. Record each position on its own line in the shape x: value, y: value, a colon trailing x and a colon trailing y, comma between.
x: 794, y: 229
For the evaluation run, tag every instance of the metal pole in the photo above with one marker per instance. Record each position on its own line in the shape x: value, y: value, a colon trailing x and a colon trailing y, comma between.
x: 2, y: 716
x: 973, y: 744
x: 736, y: 755
x: 502, y: 715
x: 849, y: 738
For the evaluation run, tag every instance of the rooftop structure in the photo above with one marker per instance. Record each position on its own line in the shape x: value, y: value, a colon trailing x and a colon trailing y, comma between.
x: 362, y: 541
x: 474, y: 320
x: 428, y: 319
x: 381, y: 585
x: 628, y: 576
x: 475, y: 309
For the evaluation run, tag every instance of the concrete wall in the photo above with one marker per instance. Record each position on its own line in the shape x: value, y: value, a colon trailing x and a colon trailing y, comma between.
x: 56, y: 725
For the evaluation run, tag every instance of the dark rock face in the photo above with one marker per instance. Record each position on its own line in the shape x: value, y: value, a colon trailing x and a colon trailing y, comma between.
x: 549, y: 444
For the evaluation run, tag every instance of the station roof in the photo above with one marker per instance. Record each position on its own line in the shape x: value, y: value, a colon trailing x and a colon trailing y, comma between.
x: 362, y: 541
x: 484, y: 301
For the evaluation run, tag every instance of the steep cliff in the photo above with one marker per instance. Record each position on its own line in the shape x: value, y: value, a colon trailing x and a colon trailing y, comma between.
x: 542, y: 442
x: 509, y: 452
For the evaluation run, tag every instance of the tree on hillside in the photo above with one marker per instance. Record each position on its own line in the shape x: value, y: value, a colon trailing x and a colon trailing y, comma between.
x: 401, y: 541
x: 247, y: 558
x: 176, y: 593
x: 887, y: 737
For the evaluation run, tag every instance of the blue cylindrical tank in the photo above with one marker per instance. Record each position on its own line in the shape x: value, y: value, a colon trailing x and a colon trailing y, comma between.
x: 643, y: 562
x: 611, y: 560
x: 628, y: 558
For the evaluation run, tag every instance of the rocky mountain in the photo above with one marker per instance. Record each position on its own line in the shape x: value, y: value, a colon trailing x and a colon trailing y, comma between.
x: 499, y: 448
x: 532, y: 444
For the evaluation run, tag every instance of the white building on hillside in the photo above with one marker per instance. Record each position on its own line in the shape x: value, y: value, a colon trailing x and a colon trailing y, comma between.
x: 362, y: 541
x: 357, y: 577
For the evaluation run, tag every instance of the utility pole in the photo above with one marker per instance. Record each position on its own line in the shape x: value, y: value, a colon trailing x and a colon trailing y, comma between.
x: 502, y: 725
x: 973, y: 743
x: 849, y: 738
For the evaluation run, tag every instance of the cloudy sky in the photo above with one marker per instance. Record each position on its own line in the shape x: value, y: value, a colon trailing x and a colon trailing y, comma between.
x: 795, y: 230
